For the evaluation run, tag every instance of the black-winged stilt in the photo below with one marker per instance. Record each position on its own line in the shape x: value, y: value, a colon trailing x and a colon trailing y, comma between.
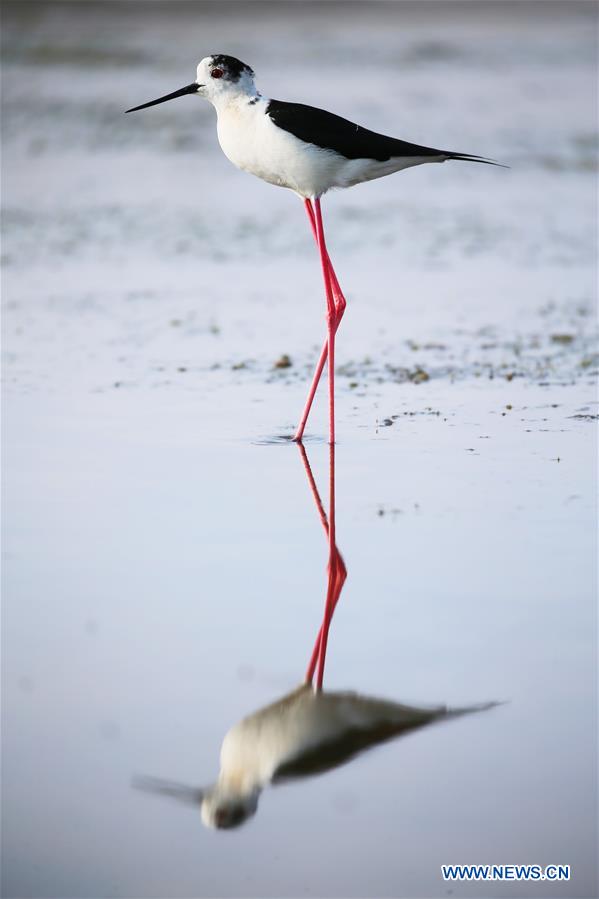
x: 308, y: 731
x: 297, y: 736
x: 309, y: 151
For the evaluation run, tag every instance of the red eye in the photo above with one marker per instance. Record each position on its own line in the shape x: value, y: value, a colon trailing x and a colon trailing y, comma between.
x: 217, y: 73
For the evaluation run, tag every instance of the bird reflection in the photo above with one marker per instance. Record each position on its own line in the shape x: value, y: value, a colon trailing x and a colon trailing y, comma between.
x: 308, y: 731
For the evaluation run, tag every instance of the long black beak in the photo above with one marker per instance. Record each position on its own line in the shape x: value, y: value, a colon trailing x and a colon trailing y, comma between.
x: 188, y: 89
x: 188, y: 795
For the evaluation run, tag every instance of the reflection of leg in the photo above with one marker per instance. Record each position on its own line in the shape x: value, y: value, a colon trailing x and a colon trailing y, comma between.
x: 336, y: 568
x: 321, y: 512
x: 323, y: 518
x: 339, y: 304
x: 337, y: 571
x: 336, y: 580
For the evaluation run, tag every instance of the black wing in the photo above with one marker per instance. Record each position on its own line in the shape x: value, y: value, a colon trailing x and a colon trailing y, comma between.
x: 336, y: 752
x: 327, y: 756
x: 332, y: 132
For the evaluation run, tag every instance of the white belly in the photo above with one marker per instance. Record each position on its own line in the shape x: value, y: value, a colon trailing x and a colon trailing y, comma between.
x: 254, y: 144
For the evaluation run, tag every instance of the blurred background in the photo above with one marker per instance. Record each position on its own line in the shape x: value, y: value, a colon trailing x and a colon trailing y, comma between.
x: 164, y: 569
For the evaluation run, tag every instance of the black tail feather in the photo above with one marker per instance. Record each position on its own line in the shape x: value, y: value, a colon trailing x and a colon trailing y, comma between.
x: 467, y: 157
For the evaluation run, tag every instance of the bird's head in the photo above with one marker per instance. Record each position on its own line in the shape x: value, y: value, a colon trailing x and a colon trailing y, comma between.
x: 223, y: 809
x: 221, y: 806
x: 221, y: 76
x: 218, y: 78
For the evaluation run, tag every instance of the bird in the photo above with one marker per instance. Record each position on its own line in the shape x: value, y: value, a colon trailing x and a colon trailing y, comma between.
x: 303, y: 733
x: 309, y: 730
x: 309, y: 151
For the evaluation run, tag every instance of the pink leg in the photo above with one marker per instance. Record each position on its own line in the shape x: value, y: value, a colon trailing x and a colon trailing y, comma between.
x: 337, y: 572
x: 324, y: 521
x: 314, y: 489
x: 337, y: 577
x: 339, y: 305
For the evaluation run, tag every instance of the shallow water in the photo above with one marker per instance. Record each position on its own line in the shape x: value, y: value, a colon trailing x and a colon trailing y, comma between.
x: 164, y: 564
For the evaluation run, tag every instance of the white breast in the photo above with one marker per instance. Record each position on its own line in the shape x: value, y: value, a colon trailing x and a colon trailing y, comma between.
x: 255, y: 144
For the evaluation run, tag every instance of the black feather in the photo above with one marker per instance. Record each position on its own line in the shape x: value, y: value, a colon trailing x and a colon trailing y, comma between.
x: 232, y: 67
x: 331, y: 132
x: 467, y: 157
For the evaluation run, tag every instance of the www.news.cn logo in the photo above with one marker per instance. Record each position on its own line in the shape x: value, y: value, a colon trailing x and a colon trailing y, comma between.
x: 505, y: 872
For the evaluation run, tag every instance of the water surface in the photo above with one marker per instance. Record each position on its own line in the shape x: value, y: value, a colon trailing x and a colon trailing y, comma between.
x: 165, y: 566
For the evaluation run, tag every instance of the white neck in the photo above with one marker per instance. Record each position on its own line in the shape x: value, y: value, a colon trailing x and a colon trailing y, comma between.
x: 242, y: 91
